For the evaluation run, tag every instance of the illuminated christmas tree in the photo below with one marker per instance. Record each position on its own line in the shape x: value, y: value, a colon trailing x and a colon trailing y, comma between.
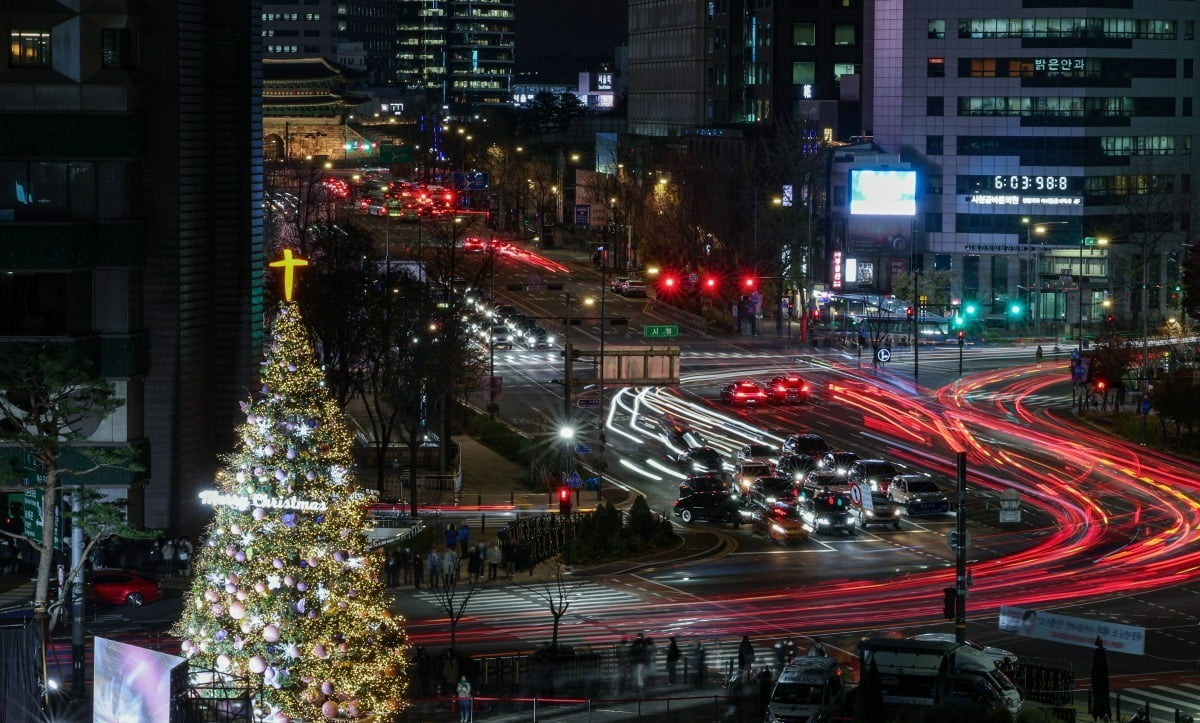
x: 287, y: 591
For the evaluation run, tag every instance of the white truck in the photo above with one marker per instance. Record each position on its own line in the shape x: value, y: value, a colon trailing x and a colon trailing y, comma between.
x: 925, y: 673
x: 809, y: 689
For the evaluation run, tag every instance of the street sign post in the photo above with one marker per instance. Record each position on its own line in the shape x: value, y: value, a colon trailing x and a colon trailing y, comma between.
x: 1010, y: 506
x: 958, y: 542
x: 583, y: 449
x: 884, y: 355
x: 660, y: 331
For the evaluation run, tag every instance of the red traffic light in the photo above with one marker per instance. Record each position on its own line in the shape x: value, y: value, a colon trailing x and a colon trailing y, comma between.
x: 911, y: 312
x: 749, y: 282
x: 669, y: 282
x: 710, y: 283
x: 564, y: 494
x: 962, y: 335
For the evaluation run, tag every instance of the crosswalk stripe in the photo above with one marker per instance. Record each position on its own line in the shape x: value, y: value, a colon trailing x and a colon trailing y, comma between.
x: 1165, y: 698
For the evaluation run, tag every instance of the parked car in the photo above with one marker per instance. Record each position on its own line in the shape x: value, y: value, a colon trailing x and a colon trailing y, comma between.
x: 711, y: 506
x: 788, y: 388
x: 919, y: 494
x: 876, y: 473
x: 1000, y: 655
x: 123, y: 587
x: 806, y: 443
x: 743, y: 392
x: 881, y: 512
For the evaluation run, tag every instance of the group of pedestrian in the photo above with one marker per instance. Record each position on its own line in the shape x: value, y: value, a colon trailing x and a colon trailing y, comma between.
x: 439, y: 568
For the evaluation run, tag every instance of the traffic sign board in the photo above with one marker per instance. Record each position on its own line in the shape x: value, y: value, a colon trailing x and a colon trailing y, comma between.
x: 884, y: 354
x: 583, y: 449
x: 587, y: 402
x: 856, y: 494
x: 660, y: 331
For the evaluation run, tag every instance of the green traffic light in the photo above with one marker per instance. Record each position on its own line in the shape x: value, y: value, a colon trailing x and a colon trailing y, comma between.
x: 1015, y: 309
x: 970, y: 309
x: 958, y: 321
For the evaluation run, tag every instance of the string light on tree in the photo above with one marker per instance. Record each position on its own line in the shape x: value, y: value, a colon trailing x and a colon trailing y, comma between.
x: 287, y: 592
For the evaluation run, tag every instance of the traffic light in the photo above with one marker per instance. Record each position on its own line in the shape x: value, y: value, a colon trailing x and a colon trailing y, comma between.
x: 962, y: 338
x: 710, y: 283
x: 970, y: 310
x: 949, y: 603
x: 749, y: 283
x: 1110, y: 320
x: 911, y: 312
x: 564, y: 500
x: 669, y: 283
x: 1014, y: 309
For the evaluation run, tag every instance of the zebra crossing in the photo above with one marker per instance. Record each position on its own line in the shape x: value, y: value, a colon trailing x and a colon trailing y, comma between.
x: 1028, y: 400
x: 584, y: 597
x: 1167, y: 703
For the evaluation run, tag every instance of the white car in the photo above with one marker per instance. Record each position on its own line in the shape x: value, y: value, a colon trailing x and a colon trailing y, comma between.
x: 1000, y: 655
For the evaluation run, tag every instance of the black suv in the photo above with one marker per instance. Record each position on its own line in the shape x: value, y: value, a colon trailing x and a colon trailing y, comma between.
x: 692, y: 485
x: 876, y: 473
x: 702, y: 460
x: 838, y: 462
x: 810, y: 444
x: 771, y: 492
x: 828, y: 512
x: 795, y: 466
x: 712, y: 506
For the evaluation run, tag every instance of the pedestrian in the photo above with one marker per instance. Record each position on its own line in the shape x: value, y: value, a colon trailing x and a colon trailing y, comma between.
x: 418, y: 570
x: 672, y: 660
x: 434, y: 563
x: 764, y: 690
x: 818, y: 649
x: 450, y: 536
x: 745, y: 653
x: 404, y: 564
x: 624, y: 665
x: 474, y: 564
x: 494, y: 558
x: 168, y: 556
x: 637, y: 659
x: 185, y: 553
x: 464, y: 539
x: 509, y: 553
x: 394, y: 564
x: 464, y: 700
x: 699, y: 655
x: 450, y: 567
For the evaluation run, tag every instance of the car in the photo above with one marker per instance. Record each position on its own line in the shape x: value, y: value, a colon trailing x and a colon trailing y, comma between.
x: 827, y: 512
x: 795, y: 466
x: 875, y: 473
x: 824, y: 479
x: 881, y: 512
x: 634, y: 288
x: 502, y: 312
x: 1000, y: 655
x: 678, y: 437
x: 123, y: 587
x: 711, y: 506
x: 746, y: 472
x: 537, y: 338
x: 474, y: 245
x: 709, y: 483
x: 919, y: 494
x: 773, y: 492
x: 743, y: 392
x: 618, y: 284
x: 498, y: 336
x: 806, y: 443
x: 702, y: 460
x: 778, y: 525
x: 788, y: 388
x: 756, y: 452
x: 839, y: 462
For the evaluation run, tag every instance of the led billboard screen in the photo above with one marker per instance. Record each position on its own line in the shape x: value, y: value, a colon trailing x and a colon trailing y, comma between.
x: 883, y: 193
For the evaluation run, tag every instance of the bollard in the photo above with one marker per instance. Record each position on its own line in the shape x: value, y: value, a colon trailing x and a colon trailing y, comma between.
x: 479, y: 499
x: 511, y: 500
x: 482, y: 522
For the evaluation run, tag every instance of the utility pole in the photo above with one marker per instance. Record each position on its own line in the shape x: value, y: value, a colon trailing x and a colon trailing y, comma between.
x: 960, y: 552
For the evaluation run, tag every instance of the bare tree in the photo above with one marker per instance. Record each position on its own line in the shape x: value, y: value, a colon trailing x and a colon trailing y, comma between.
x: 453, y: 601
x: 557, y: 593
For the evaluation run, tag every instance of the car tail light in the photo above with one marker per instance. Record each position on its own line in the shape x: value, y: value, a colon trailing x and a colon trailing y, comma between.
x: 779, y: 388
x: 740, y: 394
x: 804, y: 388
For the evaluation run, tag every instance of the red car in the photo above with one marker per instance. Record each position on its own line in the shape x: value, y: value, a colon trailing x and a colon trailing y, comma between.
x: 790, y: 388
x: 123, y: 587
x: 743, y: 392
x: 473, y: 245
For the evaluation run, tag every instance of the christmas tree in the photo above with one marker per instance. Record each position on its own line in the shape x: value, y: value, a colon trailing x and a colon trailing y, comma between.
x: 287, y: 592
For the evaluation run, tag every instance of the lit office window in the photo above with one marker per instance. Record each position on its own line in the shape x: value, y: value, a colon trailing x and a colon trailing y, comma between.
x: 29, y: 47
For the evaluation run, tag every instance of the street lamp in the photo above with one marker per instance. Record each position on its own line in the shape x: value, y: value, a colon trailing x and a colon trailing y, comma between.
x: 1088, y: 241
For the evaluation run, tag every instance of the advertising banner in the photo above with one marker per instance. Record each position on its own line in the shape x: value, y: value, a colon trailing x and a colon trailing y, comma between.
x: 1073, y: 631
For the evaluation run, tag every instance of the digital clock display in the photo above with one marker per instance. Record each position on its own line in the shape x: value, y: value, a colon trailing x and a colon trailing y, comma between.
x: 1050, y: 184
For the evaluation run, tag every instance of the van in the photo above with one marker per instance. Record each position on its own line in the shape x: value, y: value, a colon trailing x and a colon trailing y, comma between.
x: 808, y: 689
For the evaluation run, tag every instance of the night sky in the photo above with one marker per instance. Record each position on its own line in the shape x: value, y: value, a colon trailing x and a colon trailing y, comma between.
x: 581, y: 28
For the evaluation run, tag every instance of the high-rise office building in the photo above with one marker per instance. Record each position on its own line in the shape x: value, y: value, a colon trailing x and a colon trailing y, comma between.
x: 130, y: 222
x: 359, y: 35
x: 1039, y: 130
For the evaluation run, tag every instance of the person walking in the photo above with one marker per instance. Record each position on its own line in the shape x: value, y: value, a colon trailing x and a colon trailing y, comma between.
x: 434, y: 563
x: 494, y: 558
x: 464, y: 539
x: 449, y: 567
x: 745, y: 653
x: 463, y: 693
x: 637, y: 658
x: 673, y: 655
x: 393, y: 567
x: 418, y: 569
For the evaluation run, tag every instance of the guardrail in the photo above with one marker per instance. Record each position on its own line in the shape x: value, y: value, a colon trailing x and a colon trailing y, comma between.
x: 692, y: 322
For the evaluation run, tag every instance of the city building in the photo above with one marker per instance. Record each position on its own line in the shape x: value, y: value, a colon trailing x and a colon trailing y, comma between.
x: 358, y: 35
x: 130, y: 223
x: 706, y: 64
x: 1039, y: 132
x: 460, y: 53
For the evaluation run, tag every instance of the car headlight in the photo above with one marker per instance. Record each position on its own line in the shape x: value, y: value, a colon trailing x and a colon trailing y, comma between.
x: 824, y: 520
x: 777, y: 529
x: 771, y: 500
x: 550, y: 340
